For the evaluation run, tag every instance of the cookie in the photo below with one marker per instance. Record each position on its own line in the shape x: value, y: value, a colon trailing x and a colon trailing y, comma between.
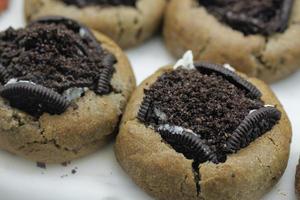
x: 192, y: 134
x: 128, y: 23
x: 63, y: 90
x: 255, y: 36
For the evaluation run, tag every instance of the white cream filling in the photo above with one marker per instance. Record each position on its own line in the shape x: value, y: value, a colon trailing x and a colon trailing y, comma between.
x: 229, y: 67
x: 186, y: 62
x: 161, y: 115
x: 269, y: 105
x: 14, y: 80
x: 74, y: 93
x: 266, y: 106
x: 175, y: 129
x: 82, y: 32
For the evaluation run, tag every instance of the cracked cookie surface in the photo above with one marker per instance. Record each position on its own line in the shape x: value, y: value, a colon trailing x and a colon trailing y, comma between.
x: 269, y: 58
x: 126, y: 25
x: 166, y: 174
x: 86, y: 125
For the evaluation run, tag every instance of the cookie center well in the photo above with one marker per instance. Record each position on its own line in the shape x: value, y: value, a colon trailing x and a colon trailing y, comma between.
x: 197, y: 112
x: 49, y: 61
x: 251, y: 16
x: 53, y: 56
x: 84, y: 3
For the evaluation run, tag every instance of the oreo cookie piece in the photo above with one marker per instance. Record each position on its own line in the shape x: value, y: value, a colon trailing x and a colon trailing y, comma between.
x: 84, y: 3
x: 285, y: 15
x: 103, y: 86
x: 187, y: 143
x: 34, y: 99
x: 57, y: 53
x: 210, y: 101
x: 144, y: 109
x: 208, y: 68
x: 252, y: 127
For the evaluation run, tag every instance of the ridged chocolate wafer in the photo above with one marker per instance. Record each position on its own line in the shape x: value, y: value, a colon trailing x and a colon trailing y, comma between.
x: 208, y: 68
x: 34, y: 99
x: 285, y: 14
x: 187, y: 143
x: 144, y: 108
x: 253, y: 126
x: 104, y: 86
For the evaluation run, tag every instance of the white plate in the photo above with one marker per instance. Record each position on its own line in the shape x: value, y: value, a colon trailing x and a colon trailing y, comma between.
x: 99, y: 175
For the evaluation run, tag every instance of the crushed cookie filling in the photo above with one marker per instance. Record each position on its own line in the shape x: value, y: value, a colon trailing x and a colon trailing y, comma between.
x: 200, y: 114
x: 58, y: 56
x: 251, y: 16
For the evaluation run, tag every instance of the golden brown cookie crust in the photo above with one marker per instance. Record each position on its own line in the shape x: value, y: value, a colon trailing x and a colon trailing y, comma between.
x: 188, y: 26
x: 166, y: 174
x: 76, y: 132
x: 127, y: 26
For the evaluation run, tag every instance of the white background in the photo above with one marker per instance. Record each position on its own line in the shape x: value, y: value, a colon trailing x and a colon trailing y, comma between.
x: 99, y: 176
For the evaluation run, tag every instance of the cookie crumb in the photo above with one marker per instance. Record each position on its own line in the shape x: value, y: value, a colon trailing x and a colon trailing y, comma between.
x: 63, y: 176
x: 66, y: 163
x: 41, y: 165
x: 73, y: 171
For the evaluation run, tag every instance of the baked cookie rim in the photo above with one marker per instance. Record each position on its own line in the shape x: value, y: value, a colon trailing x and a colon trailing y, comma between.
x: 130, y: 122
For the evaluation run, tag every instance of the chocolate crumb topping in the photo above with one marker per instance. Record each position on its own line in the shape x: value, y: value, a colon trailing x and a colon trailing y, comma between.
x: 55, y: 53
x: 84, y: 3
x: 252, y: 16
x: 200, y: 112
x: 3, y: 73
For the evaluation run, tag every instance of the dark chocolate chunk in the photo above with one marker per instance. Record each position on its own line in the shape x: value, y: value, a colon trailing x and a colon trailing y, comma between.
x: 188, y: 143
x: 208, y: 68
x: 252, y: 16
x: 252, y: 127
x: 84, y: 3
x: 144, y: 108
x: 104, y: 79
x: 34, y: 99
